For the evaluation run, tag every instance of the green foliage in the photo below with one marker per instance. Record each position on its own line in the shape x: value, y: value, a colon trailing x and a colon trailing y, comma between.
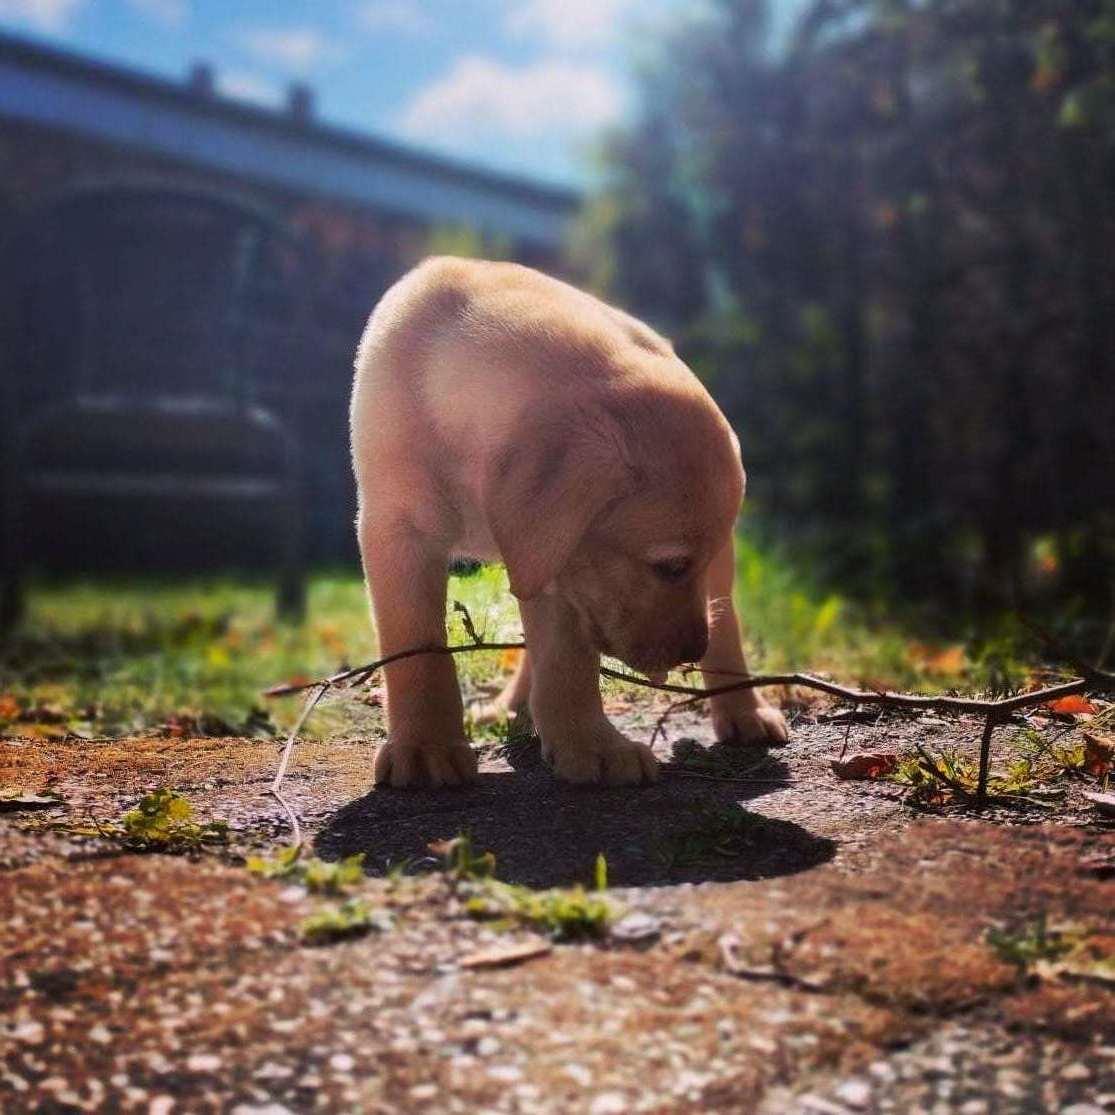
x: 461, y: 862
x: 163, y: 820
x: 190, y: 658
x: 1029, y: 771
x: 1031, y: 943
x: 565, y: 915
x: 316, y: 875
x: 600, y: 872
x: 352, y: 918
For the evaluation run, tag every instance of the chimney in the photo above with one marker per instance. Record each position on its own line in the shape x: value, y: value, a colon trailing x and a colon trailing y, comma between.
x: 300, y: 102
x: 201, y: 82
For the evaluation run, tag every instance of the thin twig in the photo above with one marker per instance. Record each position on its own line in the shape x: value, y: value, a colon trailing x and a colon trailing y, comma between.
x: 985, y: 758
x: 275, y: 789
x: 885, y: 699
x: 996, y: 711
x: 936, y: 771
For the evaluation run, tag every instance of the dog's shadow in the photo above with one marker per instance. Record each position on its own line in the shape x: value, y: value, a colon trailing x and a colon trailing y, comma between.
x: 546, y: 833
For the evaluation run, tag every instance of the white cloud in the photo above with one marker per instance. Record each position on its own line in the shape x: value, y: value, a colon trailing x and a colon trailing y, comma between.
x: 243, y: 85
x: 169, y: 13
x: 297, y: 49
x: 405, y: 16
x: 45, y: 15
x: 568, y: 23
x: 481, y: 99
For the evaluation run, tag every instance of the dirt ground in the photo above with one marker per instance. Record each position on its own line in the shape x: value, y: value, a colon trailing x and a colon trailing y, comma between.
x: 830, y: 955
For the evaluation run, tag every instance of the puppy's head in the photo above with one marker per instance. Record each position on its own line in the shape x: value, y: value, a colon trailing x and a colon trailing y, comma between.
x: 619, y: 508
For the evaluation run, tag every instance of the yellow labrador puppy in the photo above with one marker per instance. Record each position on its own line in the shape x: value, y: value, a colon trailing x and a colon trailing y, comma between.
x: 501, y: 414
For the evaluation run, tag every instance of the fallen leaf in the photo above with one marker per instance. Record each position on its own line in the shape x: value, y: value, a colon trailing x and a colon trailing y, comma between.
x: 1072, y: 705
x: 506, y: 956
x: 509, y: 659
x: 864, y: 765
x: 13, y: 801
x: 1099, y: 754
x: 1104, y: 803
x: 9, y: 707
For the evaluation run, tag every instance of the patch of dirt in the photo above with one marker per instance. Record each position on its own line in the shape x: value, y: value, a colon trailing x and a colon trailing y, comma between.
x: 824, y: 951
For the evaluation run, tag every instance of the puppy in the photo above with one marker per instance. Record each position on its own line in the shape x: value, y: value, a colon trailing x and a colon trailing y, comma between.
x: 501, y: 414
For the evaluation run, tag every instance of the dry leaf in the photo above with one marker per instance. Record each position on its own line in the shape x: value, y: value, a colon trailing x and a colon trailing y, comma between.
x: 505, y: 956
x: 12, y: 801
x: 865, y: 765
x: 509, y: 659
x: 9, y: 707
x: 1072, y: 705
x: 1104, y: 803
x: 1099, y: 754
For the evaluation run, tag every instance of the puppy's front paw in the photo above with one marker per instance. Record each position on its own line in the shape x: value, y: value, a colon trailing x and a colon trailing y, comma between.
x: 408, y: 761
x: 738, y: 718
x: 600, y: 755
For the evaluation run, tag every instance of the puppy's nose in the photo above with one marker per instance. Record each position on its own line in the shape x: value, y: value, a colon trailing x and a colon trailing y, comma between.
x: 694, y: 646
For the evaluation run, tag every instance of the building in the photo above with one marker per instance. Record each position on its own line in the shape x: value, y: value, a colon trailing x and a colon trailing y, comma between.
x: 362, y: 209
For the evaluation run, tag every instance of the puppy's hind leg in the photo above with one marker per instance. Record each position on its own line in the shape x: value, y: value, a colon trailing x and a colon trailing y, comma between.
x: 407, y: 579
x: 512, y: 699
x: 577, y: 739
x: 743, y: 716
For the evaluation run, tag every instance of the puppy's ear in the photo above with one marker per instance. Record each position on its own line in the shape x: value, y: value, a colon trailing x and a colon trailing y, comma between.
x: 542, y: 492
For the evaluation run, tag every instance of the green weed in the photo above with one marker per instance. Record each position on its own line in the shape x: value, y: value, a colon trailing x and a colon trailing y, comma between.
x: 565, y: 915
x: 316, y: 875
x: 164, y: 821
x: 352, y: 918
x: 1033, y: 942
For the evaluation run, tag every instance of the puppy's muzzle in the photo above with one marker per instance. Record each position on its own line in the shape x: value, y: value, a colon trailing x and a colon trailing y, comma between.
x: 694, y: 645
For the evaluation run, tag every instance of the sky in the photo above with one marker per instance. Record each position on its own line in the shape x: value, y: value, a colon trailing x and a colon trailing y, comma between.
x: 518, y: 85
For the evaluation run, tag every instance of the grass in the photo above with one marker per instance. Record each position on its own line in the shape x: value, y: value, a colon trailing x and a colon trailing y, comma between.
x: 114, y: 657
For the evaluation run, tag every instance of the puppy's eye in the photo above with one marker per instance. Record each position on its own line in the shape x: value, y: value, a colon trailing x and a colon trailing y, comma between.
x: 673, y: 570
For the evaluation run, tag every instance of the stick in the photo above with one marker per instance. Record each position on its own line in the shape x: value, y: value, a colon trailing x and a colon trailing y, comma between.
x: 275, y: 789
x: 985, y: 759
x: 885, y: 699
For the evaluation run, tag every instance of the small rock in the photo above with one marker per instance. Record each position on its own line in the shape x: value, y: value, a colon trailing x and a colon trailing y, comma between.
x: 423, y: 1092
x: 342, y: 1062
x: 1076, y: 1071
x: 160, y: 1105
x: 854, y: 1092
x: 204, y: 1062
x: 269, y: 1070
x: 578, y: 1074
x: 261, y: 1109
x: 30, y: 1032
x: 636, y: 927
x: 101, y: 1034
x: 1083, y: 1109
x: 488, y: 1047
x: 507, y: 1073
x: 609, y: 1103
